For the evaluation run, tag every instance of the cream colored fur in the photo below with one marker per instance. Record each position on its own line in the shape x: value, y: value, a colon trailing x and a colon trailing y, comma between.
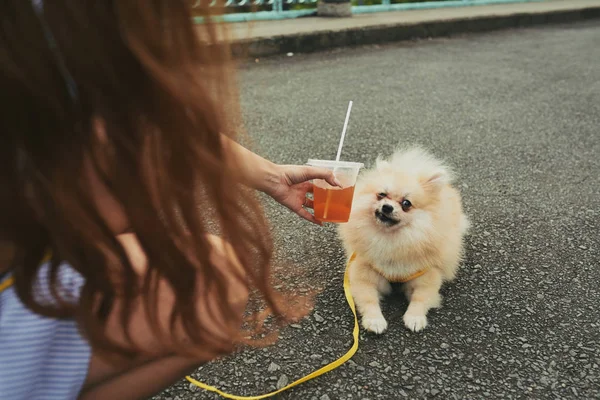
x: 428, y: 235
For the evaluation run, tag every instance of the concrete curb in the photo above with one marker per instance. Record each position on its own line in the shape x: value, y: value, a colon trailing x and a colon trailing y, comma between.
x: 324, y: 40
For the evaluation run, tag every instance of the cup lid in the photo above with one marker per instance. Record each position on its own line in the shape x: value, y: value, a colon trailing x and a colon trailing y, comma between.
x: 333, y: 163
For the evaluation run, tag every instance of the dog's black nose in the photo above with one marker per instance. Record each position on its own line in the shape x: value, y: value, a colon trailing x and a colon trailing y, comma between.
x: 387, y: 209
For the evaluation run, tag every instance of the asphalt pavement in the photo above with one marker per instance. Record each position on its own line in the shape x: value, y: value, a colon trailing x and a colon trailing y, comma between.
x: 517, y: 114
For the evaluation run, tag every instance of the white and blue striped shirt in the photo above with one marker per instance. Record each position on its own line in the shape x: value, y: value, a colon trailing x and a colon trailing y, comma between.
x: 41, y: 358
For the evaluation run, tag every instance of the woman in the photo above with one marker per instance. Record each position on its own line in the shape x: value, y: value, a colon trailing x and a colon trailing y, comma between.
x: 117, y: 158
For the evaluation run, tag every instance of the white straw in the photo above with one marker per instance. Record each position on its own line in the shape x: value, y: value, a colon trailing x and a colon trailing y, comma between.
x: 339, y: 153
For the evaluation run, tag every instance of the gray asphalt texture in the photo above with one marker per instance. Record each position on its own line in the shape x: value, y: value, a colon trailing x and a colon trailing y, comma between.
x: 517, y: 114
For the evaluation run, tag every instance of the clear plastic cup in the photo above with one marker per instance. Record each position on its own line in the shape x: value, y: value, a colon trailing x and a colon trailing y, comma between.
x: 333, y: 204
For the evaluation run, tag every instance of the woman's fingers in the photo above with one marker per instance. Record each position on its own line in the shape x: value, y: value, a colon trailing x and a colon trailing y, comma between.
x: 308, y: 216
x: 308, y: 203
x: 307, y: 173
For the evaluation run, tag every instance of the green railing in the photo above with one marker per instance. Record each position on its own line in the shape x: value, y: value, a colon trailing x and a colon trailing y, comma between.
x: 254, y: 10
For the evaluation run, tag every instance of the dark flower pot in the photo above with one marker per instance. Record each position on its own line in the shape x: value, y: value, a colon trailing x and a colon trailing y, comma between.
x: 334, y: 8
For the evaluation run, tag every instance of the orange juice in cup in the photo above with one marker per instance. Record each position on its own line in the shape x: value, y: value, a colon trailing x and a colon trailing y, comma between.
x: 333, y: 204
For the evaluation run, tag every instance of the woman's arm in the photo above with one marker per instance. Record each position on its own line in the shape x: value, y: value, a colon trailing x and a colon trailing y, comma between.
x: 222, y: 257
x: 287, y: 184
x: 142, y: 381
x: 156, y: 366
x: 252, y: 169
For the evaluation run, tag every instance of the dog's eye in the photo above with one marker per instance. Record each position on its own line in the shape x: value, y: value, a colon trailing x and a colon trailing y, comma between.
x: 381, y: 195
x: 406, y: 205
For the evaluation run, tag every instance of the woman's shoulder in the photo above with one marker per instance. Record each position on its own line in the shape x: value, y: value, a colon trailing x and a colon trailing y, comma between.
x: 68, y: 284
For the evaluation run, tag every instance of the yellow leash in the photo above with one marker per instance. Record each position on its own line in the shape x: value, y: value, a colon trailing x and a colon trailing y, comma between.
x: 319, y: 372
x: 329, y: 367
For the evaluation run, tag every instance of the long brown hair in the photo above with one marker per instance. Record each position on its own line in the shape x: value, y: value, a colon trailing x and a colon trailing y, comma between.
x: 164, y: 92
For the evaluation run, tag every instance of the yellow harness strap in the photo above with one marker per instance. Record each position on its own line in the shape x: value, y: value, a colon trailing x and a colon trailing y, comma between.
x: 6, y: 284
x: 330, y: 367
x: 319, y: 372
x: 403, y: 279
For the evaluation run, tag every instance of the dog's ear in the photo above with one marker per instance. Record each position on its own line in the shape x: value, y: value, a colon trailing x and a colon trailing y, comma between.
x: 437, y: 178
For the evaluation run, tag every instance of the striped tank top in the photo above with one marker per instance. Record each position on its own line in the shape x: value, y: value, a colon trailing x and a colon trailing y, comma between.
x: 41, y: 358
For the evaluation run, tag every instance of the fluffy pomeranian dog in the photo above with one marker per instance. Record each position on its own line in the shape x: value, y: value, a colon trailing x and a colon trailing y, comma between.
x: 407, y: 225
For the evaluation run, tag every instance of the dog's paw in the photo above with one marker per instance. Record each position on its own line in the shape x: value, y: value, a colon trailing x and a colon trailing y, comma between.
x: 375, y: 324
x: 415, y: 322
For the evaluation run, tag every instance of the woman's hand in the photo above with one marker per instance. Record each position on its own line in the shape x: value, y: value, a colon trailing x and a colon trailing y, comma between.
x: 292, y: 184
